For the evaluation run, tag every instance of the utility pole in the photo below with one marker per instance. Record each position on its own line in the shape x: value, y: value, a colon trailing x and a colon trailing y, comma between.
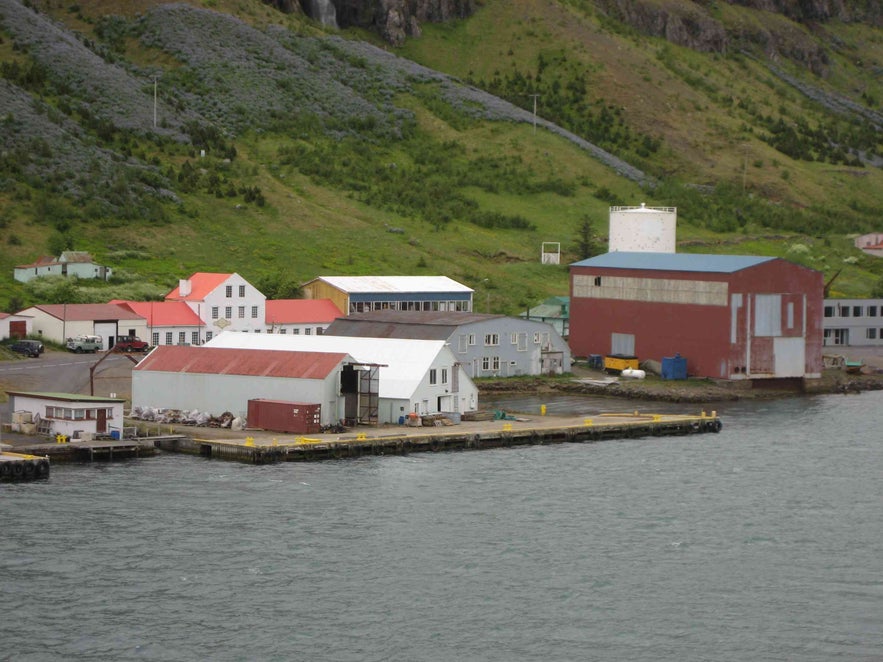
x: 535, y: 111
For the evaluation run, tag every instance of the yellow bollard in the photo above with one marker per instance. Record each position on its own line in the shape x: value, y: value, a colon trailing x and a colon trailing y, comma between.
x: 507, y: 427
x: 275, y: 441
x: 657, y: 417
x: 542, y: 410
x: 588, y: 422
x: 249, y: 441
x: 361, y: 436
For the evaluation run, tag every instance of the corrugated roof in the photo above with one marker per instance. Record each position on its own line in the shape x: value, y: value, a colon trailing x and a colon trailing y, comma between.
x: 85, y: 312
x: 418, y: 325
x: 201, y: 285
x: 301, y: 311
x: 406, y: 361
x: 237, y: 361
x: 698, y: 262
x: 42, y: 261
x: 163, y: 313
x: 360, y: 284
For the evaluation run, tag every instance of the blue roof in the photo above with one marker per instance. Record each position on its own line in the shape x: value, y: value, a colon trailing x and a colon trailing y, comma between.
x: 723, y: 264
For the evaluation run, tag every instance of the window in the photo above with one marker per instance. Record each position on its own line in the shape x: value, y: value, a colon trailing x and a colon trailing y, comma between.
x: 295, y: 332
x: 513, y: 338
x: 154, y: 338
x: 214, y: 312
x: 228, y: 291
x: 872, y: 311
x: 228, y: 312
x: 871, y: 334
x: 283, y: 331
x: 444, y: 376
x: 208, y: 335
x: 242, y: 290
x: 241, y: 312
x: 254, y: 312
x: 194, y: 337
x: 844, y: 312
x: 829, y: 311
x: 491, y: 340
x: 485, y: 363
x: 182, y: 337
x: 308, y: 331
x: 471, y: 338
x: 856, y: 311
x: 495, y: 362
x: 597, y: 281
x: 168, y: 337
x: 319, y: 330
x: 433, y: 378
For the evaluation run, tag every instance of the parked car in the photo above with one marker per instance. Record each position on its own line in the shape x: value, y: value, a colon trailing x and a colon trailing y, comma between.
x: 32, y: 348
x: 80, y: 344
x: 130, y: 344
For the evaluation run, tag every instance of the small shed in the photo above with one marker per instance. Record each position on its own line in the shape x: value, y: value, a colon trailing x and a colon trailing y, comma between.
x: 70, y: 414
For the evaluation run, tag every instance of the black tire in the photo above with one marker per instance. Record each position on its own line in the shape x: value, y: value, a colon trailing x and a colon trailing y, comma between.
x: 17, y: 469
x: 78, y: 350
x: 42, y: 469
x: 5, y: 469
x: 30, y: 468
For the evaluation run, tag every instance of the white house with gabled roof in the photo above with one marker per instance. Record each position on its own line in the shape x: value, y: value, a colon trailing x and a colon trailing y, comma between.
x: 421, y: 376
x: 224, y: 302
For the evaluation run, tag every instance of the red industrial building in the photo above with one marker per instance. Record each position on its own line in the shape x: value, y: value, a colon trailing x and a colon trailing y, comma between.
x: 730, y: 316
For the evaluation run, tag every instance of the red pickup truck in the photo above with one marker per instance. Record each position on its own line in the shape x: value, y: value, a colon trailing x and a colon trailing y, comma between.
x: 130, y: 344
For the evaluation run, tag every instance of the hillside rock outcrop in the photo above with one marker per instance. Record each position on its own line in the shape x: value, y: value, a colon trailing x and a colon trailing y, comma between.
x: 394, y: 20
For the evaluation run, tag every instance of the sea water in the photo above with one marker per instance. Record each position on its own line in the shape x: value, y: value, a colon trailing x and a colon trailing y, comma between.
x: 762, y: 542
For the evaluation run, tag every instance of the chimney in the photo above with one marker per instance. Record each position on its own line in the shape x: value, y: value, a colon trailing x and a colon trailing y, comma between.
x: 184, y: 287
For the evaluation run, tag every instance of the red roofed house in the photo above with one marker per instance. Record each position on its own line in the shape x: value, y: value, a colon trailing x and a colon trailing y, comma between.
x: 59, y: 321
x: 69, y: 263
x: 300, y: 316
x: 168, y: 322
x: 222, y: 302
x: 215, y: 380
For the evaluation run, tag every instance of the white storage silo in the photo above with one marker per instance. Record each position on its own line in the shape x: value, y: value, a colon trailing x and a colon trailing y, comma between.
x: 643, y: 229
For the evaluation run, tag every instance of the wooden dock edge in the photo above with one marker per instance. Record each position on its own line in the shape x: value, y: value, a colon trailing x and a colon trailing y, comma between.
x: 307, y: 450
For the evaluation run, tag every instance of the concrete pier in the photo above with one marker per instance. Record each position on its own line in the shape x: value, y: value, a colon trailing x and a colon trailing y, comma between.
x: 262, y: 447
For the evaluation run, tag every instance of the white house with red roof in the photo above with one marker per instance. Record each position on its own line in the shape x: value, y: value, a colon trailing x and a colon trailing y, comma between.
x: 223, y: 302
x: 168, y: 322
x: 59, y: 321
x: 300, y: 316
x: 69, y: 263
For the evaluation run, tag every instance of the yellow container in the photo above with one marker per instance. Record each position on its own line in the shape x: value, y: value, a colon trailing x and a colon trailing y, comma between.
x: 619, y: 362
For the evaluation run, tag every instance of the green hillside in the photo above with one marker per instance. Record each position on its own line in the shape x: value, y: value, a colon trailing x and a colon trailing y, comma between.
x: 283, y: 152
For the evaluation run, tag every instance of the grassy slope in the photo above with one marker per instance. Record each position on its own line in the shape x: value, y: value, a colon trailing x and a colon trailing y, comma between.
x: 306, y: 230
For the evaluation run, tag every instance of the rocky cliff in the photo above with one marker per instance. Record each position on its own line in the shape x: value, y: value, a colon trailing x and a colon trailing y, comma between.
x: 792, y: 29
x: 394, y: 20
